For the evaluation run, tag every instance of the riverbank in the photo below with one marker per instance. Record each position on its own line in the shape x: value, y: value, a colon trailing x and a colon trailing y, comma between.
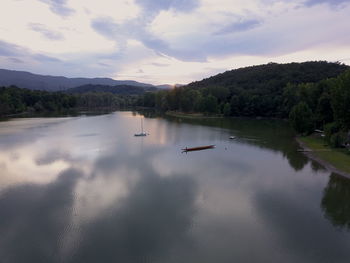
x: 337, y: 161
x: 191, y: 115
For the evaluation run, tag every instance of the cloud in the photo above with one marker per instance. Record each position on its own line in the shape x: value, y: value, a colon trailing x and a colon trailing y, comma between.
x: 20, y: 54
x: 269, y: 33
x: 9, y: 49
x: 138, y: 28
x: 154, y: 6
x: 239, y: 26
x: 15, y: 60
x: 106, y: 27
x: 134, y: 30
x: 160, y: 64
x: 59, y: 7
x: 101, y: 39
x: 330, y: 2
x: 44, y: 58
x: 85, y: 64
x: 45, y: 32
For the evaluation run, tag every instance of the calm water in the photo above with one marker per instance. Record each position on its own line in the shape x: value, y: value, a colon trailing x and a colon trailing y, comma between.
x: 84, y: 189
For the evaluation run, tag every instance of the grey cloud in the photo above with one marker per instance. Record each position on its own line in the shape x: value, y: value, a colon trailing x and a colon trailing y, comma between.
x: 158, y: 5
x: 11, y: 53
x: 44, y: 58
x: 105, y: 27
x: 330, y: 2
x: 45, y: 32
x: 15, y: 60
x: 19, y: 54
x: 103, y: 64
x: 59, y: 7
x: 160, y: 64
x: 9, y: 49
x: 136, y: 30
x: 239, y: 26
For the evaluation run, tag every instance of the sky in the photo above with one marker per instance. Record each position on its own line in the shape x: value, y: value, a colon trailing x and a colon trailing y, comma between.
x: 168, y: 41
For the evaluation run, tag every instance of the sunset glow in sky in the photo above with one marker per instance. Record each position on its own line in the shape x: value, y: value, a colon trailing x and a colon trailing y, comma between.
x: 168, y: 41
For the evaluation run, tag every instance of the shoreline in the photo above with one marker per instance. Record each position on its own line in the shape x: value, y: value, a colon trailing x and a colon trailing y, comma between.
x: 308, y: 152
x: 192, y: 115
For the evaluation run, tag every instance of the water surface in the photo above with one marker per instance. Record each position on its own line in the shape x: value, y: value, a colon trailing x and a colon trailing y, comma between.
x: 84, y: 189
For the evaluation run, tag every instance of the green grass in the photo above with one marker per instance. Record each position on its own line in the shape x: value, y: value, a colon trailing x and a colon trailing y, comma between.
x: 339, y: 158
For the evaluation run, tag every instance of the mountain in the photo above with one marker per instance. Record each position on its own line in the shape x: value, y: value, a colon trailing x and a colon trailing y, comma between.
x: 167, y: 86
x: 272, y: 76
x: 32, y: 81
x: 119, y: 89
x: 270, y: 90
x: 164, y: 86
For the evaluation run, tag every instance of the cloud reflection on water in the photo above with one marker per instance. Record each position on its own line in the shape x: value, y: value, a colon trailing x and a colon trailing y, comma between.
x: 114, y: 197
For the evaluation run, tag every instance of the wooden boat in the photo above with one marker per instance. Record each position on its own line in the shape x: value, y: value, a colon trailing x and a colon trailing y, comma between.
x: 199, y: 148
x: 140, y: 134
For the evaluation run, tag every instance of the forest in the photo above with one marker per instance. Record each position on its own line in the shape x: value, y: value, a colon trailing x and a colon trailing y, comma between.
x: 312, y: 95
x: 14, y: 100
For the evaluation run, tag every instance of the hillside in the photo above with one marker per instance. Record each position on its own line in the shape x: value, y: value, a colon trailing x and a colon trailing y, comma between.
x: 32, y: 81
x: 272, y: 77
x: 119, y: 89
x: 270, y: 90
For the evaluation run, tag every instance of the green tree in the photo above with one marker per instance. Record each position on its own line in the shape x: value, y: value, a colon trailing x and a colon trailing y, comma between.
x: 340, y: 100
x: 226, y: 109
x: 210, y: 104
x: 234, y: 105
x: 301, y: 118
x: 324, y: 111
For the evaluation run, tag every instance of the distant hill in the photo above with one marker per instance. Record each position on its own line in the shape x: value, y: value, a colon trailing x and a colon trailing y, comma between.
x: 272, y: 76
x: 269, y: 90
x: 32, y: 81
x: 119, y: 89
x: 165, y: 86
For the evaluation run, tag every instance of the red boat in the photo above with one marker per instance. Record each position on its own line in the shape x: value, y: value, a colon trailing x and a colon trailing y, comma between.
x: 198, y: 148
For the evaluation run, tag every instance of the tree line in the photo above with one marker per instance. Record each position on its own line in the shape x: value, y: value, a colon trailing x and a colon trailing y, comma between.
x: 312, y: 95
x: 14, y: 100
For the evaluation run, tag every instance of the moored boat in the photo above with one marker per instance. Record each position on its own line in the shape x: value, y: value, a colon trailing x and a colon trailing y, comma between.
x: 142, y: 133
x: 199, y: 148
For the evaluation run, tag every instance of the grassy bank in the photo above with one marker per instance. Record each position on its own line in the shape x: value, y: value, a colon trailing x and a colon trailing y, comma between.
x: 338, y: 158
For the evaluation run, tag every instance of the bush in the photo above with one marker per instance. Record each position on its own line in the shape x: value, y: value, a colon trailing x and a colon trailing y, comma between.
x: 338, y: 139
x: 330, y: 129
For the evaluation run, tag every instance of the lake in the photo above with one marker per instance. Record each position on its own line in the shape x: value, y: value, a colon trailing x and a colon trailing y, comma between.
x: 84, y: 189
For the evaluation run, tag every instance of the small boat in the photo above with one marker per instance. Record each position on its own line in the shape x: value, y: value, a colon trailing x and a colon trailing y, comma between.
x: 142, y: 133
x: 199, y: 148
x: 232, y: 137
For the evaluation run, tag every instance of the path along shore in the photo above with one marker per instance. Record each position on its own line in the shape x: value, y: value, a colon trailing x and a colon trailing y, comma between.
x: 311, y: 154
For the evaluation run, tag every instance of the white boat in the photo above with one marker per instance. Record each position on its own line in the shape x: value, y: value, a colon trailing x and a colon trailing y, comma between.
x: 232, y: 137
x: 142, y: 133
